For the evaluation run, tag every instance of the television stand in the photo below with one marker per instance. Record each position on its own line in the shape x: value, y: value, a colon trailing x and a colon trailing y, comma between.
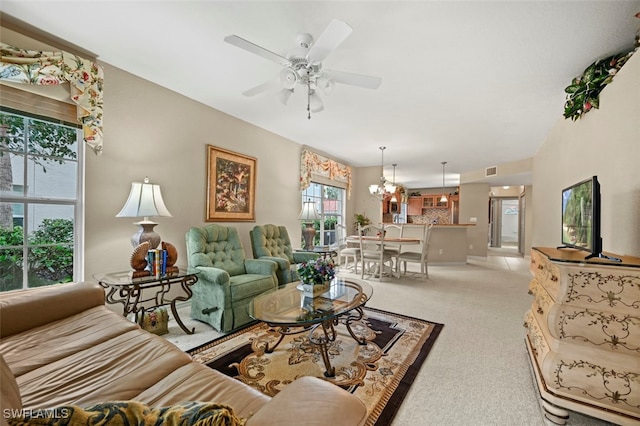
x: 603, y: 256
x: 583, y: 335
x: 592, y: 255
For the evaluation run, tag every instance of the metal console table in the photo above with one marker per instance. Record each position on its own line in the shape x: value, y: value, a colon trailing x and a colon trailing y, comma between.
x: 134, y: 293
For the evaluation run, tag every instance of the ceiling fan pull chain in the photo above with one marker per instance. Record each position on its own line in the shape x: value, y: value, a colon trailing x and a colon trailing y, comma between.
x: 308, y: 96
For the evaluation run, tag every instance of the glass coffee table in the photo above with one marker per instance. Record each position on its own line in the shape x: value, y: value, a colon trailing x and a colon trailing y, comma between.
x: 288, y: 311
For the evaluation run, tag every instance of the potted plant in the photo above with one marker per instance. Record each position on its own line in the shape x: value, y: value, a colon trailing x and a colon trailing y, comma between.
x: 361, y: 220
x: 316, y: 276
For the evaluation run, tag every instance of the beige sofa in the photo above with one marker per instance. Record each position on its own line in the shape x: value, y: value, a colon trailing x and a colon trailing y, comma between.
x: 64, y: 346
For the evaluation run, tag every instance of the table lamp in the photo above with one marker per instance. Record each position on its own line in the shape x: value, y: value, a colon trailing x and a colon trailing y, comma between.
x: 145, y: 200
x: 307, y: 215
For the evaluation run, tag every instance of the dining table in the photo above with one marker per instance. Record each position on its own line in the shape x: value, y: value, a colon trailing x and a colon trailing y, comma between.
x: 387, y: 241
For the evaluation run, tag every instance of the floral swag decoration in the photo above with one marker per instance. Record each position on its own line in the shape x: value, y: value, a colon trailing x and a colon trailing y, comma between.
x: 584, y: 92
x: 310, y: 162
x: 316, y: 272
x: 51, y: 68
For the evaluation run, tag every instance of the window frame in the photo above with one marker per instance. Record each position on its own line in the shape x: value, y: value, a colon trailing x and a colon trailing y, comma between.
x: 27, y: 201
x: 309, y: 193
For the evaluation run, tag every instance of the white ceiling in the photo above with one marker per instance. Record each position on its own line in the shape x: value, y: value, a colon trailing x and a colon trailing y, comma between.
x: 476, y: 84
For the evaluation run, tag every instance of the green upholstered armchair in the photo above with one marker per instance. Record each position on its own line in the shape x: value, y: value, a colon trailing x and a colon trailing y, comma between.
x: 227, y: 281
x: 271, y: 242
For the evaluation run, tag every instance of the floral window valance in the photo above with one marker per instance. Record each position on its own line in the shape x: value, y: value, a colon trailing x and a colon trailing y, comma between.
x: 50, y: 68
x: 312, y: 163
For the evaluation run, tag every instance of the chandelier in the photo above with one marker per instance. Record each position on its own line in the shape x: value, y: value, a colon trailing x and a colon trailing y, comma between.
x: 379, y: 191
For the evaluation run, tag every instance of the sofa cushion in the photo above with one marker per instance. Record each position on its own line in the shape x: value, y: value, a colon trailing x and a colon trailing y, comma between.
x: 208, y: 385
x: 116, y: 369
x: 52, y: 303
x: 337, y: 406
x: 133, y: 413
x: 9, y: 391
x: 43, y: 345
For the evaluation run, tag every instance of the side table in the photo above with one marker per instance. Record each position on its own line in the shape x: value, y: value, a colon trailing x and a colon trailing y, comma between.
x: 132, y: 293
x: 324, y: 253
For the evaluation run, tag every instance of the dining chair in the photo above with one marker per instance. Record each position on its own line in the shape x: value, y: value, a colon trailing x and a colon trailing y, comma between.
x: 421, y: 257
x: 344, y: 251
x: 393, y: 230
x: 373, y: 252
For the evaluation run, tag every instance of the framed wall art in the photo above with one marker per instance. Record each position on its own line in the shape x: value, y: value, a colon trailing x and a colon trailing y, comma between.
x: 231, y: 186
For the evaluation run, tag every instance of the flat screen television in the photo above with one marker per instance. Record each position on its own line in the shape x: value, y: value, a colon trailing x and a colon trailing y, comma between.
x: 581, y: 218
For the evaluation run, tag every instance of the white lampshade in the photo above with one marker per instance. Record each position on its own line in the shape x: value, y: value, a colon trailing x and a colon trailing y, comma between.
x: 308, y: 212
x: 288, y: 78
x: 145, y: 200
x: 443, y: 199
x: 284, y: 95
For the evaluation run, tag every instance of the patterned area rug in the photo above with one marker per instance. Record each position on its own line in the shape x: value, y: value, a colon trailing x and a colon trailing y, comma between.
x: 379, y: 372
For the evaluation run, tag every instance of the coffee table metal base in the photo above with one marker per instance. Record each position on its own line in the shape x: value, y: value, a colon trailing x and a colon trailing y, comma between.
x: 321, y: 335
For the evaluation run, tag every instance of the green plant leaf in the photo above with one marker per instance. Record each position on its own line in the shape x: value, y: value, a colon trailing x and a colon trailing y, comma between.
x: 572, y: 89
x: 589, y: 73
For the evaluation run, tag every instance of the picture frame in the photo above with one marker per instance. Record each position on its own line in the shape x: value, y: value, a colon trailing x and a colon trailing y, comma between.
x: 231, y: 186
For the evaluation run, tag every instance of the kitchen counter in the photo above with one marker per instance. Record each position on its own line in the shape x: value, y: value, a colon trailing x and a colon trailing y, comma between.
x: 448, y: 245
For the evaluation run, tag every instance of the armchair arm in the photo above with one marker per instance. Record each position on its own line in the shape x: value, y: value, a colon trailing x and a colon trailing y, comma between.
x: 338, y: 407
x: 283, y: 264
x: 213, y: 275
x: 260, y: 266
x: 299, y: 256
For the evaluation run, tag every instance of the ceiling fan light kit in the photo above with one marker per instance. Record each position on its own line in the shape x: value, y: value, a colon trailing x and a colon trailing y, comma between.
x: 303, y: 67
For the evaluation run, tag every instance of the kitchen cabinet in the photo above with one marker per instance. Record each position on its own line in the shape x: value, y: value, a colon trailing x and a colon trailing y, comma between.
x: 414, y: 206
x: 433, y: 202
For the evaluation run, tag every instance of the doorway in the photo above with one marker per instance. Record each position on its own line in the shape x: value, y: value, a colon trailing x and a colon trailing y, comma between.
x: 504, y: 223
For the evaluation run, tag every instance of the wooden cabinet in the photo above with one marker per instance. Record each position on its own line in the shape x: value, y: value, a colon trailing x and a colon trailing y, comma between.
x: 583, y: 335
x: 433, y: 202
x: 414, y: 206
x: 428, y: 202
x: 417, y: 205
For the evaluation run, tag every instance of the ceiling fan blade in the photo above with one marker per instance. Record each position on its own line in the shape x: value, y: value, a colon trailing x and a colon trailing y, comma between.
x: 335, y: 33
x: 257, y: 50
x: 366, y: 81
x: 264, y: 87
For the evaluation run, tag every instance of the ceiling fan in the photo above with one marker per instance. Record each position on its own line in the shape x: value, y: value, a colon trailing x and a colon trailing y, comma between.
x: 303, y: 66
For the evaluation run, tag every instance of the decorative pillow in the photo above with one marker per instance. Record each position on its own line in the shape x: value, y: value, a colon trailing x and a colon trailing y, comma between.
x: 118, y: 413
x: 156, y: 320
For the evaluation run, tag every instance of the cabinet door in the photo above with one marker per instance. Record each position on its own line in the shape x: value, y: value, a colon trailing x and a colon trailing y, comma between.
x: 414, y: 207
x: 441, y: 204
x: 428, y: 202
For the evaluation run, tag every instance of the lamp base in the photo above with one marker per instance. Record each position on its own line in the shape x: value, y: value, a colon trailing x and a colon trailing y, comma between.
x: 308, y: 233
x: 146, y: 233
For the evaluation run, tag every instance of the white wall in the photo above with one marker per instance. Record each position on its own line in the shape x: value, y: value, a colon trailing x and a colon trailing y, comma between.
x: 151, y: 131
x: 604, y: 142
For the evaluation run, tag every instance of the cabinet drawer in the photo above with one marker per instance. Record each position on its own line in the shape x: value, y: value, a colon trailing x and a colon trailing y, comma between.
x: 606, y: 289
x: 595, y: 328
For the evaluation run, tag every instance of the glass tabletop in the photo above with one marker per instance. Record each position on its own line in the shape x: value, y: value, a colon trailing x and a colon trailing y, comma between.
x: 125, y: 278
x: 288, y: 306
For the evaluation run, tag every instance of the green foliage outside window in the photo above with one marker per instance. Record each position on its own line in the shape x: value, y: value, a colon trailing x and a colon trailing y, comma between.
x: 51, y: 258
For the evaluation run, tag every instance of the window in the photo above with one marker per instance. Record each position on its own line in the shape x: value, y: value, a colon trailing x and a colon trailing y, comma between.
x: 40, y: 176
x: 329, y: 201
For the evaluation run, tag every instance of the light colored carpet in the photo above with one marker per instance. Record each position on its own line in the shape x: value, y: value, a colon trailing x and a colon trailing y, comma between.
x: 478, y: 372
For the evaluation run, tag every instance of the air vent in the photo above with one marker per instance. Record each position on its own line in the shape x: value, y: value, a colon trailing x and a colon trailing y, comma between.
x: 491, y: 171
